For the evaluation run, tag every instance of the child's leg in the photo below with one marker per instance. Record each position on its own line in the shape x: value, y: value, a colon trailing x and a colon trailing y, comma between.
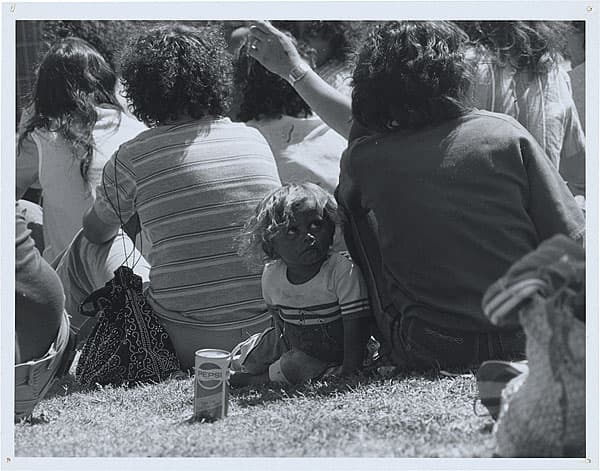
x: 297, y: 367
x: 251, y: 358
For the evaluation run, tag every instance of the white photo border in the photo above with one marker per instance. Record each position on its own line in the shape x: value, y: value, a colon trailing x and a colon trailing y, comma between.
x: 333, y: 10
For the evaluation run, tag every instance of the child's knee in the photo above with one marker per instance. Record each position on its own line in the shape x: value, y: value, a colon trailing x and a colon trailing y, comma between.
x: 296, y: 367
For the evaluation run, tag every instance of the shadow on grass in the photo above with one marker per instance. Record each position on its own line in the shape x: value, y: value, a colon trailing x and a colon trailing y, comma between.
x: 68, y: 384
x: 250, y: 396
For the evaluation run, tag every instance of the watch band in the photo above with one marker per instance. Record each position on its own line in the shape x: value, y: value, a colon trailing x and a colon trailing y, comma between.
x: 298, y: 72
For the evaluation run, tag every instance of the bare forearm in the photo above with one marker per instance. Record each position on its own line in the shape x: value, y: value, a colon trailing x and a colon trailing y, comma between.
x: 276, y: 51
x: 333, y: 107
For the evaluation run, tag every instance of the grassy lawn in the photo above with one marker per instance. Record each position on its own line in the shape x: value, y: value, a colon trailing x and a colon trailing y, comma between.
x: 365, y: 416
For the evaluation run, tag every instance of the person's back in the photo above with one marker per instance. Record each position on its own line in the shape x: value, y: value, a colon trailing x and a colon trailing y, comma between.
x: 195, y: 185
x: 66, y: 195
x: 193, y: 179
x: 473, y: 199
x: 72, y: 126
x: 305, y: 149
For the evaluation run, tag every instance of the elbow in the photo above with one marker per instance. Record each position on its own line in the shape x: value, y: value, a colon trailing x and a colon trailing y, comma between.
x: 91, y: 235
x: 94, y: 230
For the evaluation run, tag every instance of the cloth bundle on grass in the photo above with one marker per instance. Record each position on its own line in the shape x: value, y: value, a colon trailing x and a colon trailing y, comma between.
x: 542, y: 412
x: 127, y: 345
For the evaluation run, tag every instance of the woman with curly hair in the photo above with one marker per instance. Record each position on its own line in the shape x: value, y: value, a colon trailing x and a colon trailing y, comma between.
x: 438, y: 198
x: 72, y: 126
x: 305, y: 148
x: 519, y: 74
x: 194, y: 178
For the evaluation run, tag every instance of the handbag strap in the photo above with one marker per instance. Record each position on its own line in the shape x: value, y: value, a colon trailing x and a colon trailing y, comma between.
x: 90, y: 307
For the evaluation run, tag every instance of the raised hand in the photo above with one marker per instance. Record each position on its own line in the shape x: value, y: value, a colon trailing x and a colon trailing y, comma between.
x: 272, y: 48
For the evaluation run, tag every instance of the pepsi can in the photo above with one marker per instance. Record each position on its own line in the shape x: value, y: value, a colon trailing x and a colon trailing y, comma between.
x: 211, y: 384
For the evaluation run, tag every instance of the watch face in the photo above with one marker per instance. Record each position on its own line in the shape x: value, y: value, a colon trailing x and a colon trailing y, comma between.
x: 298, y: 72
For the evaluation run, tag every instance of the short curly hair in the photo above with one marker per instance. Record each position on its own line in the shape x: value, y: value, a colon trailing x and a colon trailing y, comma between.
x: 264, y: 94
x: 531, y: 45
x: 275, y: 212
x: 172, y: 70
x: 411, y: 74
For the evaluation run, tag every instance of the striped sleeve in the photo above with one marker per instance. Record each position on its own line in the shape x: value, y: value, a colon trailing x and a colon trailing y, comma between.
x: 351, y: 290
x: 115, y: 194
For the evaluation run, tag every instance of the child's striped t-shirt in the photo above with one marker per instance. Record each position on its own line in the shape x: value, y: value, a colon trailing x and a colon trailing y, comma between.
x: 337, y: 292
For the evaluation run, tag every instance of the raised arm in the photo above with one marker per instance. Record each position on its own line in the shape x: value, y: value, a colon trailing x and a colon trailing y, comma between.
x: 276, y: 52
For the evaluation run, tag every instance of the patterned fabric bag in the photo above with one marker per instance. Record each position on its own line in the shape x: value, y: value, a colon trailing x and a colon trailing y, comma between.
x: 127, y: 344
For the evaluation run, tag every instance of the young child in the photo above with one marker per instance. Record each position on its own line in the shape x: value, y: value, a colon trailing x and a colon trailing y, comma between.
x: 318, y: 298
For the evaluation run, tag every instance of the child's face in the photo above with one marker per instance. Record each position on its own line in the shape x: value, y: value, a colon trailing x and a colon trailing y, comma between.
x: 306, y: 240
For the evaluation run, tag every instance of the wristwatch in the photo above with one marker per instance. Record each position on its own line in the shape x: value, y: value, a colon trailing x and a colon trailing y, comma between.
x: 298, y: 72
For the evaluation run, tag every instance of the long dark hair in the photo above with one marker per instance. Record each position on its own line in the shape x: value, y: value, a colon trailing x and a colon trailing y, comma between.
x: 535, y: 46
x: 264, y: 94
x: 72, y: 79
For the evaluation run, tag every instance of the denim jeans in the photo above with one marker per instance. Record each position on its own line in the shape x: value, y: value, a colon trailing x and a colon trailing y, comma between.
x: 416, y: 343
x: 322, y: 341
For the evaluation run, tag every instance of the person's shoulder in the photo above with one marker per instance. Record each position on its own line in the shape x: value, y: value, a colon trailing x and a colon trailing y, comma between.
x: 361, y: 146
x: 340, y: 262
x: 131, y: 123
x: 140, y: 139
x: 493, y: 122
x: 273, y: 272
x: 242, y: 132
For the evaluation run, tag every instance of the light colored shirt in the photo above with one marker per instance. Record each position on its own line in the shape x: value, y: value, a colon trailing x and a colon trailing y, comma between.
x: 47, y: 157
x: 543, y: 104
x: 305, y: 149
x: 194, y: 185
x: 337, y: 292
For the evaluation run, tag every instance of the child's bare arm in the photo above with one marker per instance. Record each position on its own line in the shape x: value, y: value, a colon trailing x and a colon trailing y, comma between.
x: 356, y: 333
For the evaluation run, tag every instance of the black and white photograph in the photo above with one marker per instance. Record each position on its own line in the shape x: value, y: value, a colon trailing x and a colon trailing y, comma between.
x: 253, y: 232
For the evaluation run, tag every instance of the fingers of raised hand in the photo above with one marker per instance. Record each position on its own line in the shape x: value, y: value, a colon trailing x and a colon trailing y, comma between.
x: 257, y: 32
x: 264, y: 27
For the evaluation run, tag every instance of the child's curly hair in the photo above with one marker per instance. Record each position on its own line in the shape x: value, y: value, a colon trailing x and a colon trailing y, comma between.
x: 264, y: 94
x: 411, y: 74
x: 172, y: 70
x: 532, y: 45
x: 275, y: 212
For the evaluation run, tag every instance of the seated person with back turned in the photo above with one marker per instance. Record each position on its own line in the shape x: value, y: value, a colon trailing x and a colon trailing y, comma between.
x: 194, y: 178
